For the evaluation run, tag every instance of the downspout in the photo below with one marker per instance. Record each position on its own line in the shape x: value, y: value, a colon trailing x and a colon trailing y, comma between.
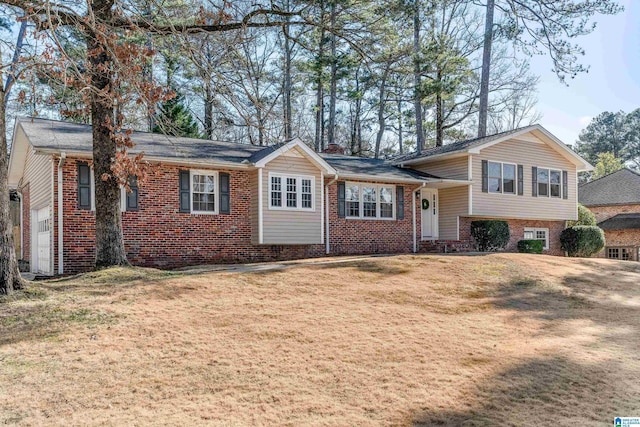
x: 415, y: 220
x: 326, y: 195
x: 260, y: 213
x: 21, y: 224
x: 63, y: 156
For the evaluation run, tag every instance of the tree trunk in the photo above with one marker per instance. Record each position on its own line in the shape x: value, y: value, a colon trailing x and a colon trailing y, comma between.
x: 288, y: 132
x: 10, y: 279
x: 109, y: 240
x: 208, y: 111
x: 400, y: 129
x: 334, y: 79
x: 486, y: 66
x: 439, y: 113
x: 381, y: 107
x: 417, y: 98
x: 320, y: 90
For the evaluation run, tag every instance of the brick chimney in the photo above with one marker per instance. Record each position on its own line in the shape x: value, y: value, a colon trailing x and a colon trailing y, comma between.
x: 334, y: 149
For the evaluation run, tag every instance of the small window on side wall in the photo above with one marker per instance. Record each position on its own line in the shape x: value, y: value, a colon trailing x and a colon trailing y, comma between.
x: 537, y: 234
x: 84, y: 186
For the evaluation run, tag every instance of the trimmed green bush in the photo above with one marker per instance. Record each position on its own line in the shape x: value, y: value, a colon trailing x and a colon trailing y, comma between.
x: 585, y: 217
x: 490, y: 235
x: 582, y: 240
x: 530, y: 246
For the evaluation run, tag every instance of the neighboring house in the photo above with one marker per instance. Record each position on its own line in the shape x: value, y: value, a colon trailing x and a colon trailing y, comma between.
x: 221, y: 202
x: 615, y: 201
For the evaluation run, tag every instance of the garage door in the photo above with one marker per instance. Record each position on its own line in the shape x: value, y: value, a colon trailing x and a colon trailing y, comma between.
x: 43, y: 260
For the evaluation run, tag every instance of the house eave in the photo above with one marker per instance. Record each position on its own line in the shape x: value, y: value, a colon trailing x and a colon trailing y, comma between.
x: 156, y: 159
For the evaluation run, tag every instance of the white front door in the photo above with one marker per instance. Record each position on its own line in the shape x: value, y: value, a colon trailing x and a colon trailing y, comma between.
x: 429, y: 208
x: 42, y: 230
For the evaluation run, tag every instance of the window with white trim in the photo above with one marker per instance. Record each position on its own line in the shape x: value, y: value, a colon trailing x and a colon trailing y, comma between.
x: 624, y: 254
x: 549, y: 183
x: 203, y: 192
x: 369, y: 201
x: 537, y: 234
x: 502, y: 177
x: 291, y: 192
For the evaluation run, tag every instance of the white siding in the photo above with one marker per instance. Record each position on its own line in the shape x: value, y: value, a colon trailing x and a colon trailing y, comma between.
x: 527, y: 151
x: 456, y: 168
x: 38, y: 173
x: 453, y: 203
x: 282, y: 227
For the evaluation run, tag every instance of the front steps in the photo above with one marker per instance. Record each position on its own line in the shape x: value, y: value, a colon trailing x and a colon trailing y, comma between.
x: 444, y: 246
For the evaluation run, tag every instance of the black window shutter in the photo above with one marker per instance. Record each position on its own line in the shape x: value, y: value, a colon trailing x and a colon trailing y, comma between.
x: 534, y: 181
x: 341, y: 197
x: 132, y: 196
x: 225, y: 193
x: 185, y: 185
x: 399, y: 203
x: 565, y: 184
x: 84, y: 186
x: 520, y: 180
x: 485, y: 176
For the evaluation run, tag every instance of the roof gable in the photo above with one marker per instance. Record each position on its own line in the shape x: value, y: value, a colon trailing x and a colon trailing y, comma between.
x: 263, y: 157
x: 475, y: 145
x: 618, y: 188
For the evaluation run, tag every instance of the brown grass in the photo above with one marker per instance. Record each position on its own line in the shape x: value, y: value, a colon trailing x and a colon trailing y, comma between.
x: 409, y: 340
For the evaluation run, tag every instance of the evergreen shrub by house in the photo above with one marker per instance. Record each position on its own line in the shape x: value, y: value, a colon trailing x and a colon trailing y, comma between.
x: 490, y: 235
x: 582, y: 240
x: 530, y: 246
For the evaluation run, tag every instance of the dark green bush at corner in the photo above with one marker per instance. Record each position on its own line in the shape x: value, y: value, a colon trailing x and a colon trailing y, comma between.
x: 582, y: 240
x: 530, y: 246
x: 490, y: 235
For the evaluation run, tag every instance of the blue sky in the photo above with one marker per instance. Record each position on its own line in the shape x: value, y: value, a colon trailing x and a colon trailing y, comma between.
x: 612, y: 83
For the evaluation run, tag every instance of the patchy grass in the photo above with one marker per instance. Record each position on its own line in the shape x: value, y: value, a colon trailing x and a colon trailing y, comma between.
x: 502, y: 339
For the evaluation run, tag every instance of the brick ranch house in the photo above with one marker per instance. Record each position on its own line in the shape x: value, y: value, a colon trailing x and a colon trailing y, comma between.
x: 615, y: 201
x: 212, y: 202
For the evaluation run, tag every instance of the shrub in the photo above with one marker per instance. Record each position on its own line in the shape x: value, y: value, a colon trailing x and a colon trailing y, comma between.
x: 582, y: 240
x: 531, y: 246
x: 490, y: 235
x: 585, y: 217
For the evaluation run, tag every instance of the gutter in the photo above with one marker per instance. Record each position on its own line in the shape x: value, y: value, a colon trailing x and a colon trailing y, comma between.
x: 326, y: 194
x: 63, y: 156
x: 415, y: 221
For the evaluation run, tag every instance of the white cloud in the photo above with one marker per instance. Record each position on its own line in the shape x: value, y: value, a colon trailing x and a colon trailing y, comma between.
x: 585, y: 120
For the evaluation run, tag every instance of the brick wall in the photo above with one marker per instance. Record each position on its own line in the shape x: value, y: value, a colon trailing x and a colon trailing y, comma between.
x: 158, y: 235
x: 26, y: 223
x: 605, y: 212
x: 370, y: 236
x: 516, y: 229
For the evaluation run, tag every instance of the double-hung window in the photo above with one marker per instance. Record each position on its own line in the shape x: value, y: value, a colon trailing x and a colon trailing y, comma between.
x: 549, y: 182
x: 537, y: 234
x: 291, y: 192
x: 501, y: 177
x: 203, y: 192
x: 369, y: 201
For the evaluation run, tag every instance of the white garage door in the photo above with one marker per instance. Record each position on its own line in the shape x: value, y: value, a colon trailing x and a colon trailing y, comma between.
x: 43, y: 261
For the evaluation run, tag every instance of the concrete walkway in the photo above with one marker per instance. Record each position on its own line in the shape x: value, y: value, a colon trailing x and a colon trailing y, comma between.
x: 273, y: 266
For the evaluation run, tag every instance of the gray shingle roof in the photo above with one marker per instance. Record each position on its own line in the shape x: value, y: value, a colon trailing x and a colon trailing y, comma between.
x: 621, y: 222
x: 456, y: 146
x: 350, y: 165
x: 64, y: 136
x: 618, y: 188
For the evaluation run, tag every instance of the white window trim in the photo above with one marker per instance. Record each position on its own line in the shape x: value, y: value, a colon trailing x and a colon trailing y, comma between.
x: 361, y: 202
x: 216, y: 194
x: 535, y: 230
x: 548, y: 196
x: 283, y: 192
x: 515, y: 181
